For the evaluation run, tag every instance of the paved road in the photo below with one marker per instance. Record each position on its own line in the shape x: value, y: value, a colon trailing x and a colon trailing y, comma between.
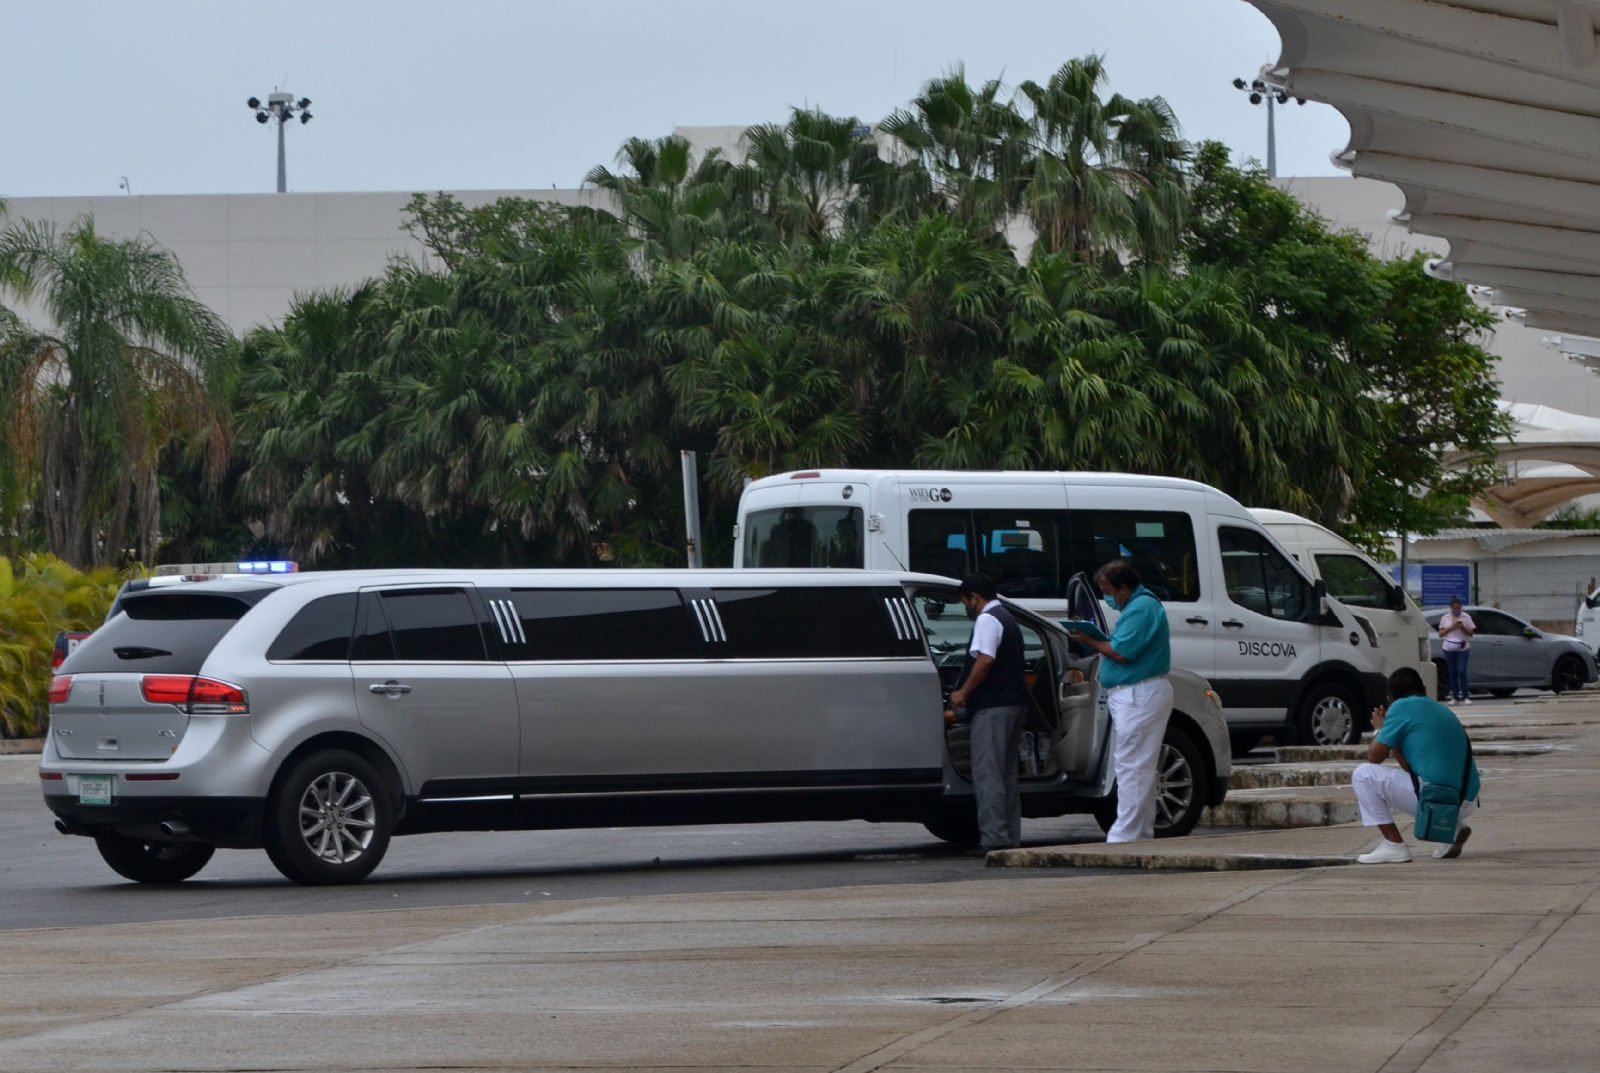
x: 48, y: 880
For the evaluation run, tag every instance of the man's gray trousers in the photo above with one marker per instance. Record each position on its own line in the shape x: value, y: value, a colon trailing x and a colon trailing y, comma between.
x: 996, y: 742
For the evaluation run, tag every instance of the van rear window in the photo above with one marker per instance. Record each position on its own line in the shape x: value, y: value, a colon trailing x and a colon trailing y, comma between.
x: 161, y: 633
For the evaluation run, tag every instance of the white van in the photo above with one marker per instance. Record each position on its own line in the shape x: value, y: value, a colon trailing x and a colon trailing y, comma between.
x: 1352, y: 578
x: 1243, y: 614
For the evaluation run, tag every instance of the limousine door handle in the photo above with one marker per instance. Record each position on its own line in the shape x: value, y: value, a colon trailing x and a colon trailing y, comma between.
x: 392, y: 688
x: 1198, y: 621
x: 1233, y: 623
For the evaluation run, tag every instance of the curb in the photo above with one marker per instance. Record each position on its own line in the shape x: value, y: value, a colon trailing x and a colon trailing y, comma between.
x: 1193, y: 862
x: 1281, y: 812
x: 1291, y: 776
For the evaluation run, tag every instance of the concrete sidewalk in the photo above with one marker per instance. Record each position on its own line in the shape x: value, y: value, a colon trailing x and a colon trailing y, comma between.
x: 1485, y: 963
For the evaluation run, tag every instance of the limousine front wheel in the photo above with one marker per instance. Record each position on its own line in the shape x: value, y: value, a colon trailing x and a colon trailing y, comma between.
x: 329, y: 821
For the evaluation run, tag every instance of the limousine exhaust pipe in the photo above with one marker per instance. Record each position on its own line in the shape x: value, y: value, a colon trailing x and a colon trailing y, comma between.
x: 691, y: 507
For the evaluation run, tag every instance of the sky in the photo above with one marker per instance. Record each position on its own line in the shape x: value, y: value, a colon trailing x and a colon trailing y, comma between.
x: 487, y: 94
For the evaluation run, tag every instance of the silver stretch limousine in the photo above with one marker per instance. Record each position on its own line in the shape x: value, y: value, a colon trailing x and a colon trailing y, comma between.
x: 315, y: 715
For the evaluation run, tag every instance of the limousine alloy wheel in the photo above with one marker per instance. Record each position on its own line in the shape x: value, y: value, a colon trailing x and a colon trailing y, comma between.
x: 329, y: 821
x: 1179, y: 776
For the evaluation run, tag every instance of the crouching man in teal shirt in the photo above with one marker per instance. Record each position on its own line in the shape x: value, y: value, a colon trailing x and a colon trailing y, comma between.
x: 1139, y: 696
x: 1430, y: 745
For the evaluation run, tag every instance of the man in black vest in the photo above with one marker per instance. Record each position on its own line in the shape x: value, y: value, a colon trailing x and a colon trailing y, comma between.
x: 995, y: 694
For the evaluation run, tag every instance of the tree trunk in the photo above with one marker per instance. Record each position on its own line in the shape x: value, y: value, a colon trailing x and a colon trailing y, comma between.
x: 149, y: 515
x: 110, y: 552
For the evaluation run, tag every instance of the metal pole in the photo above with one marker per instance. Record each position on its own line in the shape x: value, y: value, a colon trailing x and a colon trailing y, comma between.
x: 1405, y: 582
x: 691, y: 507
x: 283, y: 177
x: 1272, y: 137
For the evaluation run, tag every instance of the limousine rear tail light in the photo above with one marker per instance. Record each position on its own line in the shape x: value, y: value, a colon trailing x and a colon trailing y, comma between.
x: 60, y: 688
x: 195, y: 695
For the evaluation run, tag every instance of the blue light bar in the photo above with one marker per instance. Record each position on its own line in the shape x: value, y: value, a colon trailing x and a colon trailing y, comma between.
x: 274, y: 566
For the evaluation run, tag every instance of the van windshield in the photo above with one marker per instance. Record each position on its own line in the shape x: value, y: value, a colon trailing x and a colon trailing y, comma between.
x: 804, y: 537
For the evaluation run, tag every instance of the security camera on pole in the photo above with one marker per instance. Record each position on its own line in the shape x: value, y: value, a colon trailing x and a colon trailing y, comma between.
x: 1259, y: 89
x: 283, y: 107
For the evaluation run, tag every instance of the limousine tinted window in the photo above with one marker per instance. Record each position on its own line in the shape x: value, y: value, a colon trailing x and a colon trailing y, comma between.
x: 319, y: 630
x: 160, y: 633
x: 603, y: 624
x: 373, y: 641
x: 433, y: 625
x: 804, y: 537
x: 818, y: 622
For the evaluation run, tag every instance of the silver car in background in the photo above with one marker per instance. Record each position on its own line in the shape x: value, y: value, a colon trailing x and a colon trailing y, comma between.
x: 1509, y: 653
x: 316, y: 715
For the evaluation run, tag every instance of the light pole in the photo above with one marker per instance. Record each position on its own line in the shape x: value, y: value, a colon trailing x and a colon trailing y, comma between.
x: 1257, y: 90
x: 282, y: 107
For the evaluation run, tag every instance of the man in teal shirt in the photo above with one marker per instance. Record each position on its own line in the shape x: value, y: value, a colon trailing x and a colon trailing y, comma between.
x: 1139, y: 696
x: 1430, y: 745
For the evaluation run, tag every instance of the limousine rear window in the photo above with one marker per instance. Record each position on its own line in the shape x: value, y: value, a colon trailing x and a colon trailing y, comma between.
x: 162, y: 633
x: 804, y: 537
x: 602, y: 624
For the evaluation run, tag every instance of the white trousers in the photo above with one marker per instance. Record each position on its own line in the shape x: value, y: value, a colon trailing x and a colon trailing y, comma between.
x: 1381, y: 791
x: 1139, y: 713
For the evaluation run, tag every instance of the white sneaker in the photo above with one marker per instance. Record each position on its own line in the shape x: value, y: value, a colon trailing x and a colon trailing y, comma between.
x: 1467, y: 701
x: 1387, y: 853
x: 1451, y: 702
x: 1453, y: 850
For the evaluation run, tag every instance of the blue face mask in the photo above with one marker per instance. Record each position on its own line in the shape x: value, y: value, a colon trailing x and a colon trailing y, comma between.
x: 1111, y: 601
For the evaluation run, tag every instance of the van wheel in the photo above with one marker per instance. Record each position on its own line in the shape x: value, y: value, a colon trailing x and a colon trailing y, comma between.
x: 959, y: 830
x: 1569, y: 674
x: 1180, y: 785
x: 153, y: 862
x: 1328, y: 716
x: 329, y: 821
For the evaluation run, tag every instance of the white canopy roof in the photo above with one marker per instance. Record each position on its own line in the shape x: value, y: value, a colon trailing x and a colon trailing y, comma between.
x: 1486, y: 113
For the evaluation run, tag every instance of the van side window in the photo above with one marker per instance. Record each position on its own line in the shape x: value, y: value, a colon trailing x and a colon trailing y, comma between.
x: 941, y: 542
x: 804, y: 537
x: 1259, y: 578
x: 815, y: 622
x: 603, y: 624
x: 319, y: 630
x: 1352, y: 581
x: 1024, y: 552
x: 433, y: 625
x: 1159, y: 544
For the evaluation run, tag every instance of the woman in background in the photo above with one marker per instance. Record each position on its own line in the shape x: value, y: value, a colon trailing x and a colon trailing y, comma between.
x: 1457, y: 628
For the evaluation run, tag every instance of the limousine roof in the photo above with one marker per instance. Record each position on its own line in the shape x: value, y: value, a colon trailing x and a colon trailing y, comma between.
x: 559, y: 578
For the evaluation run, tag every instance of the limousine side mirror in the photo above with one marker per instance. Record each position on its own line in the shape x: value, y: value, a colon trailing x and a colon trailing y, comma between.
x: 1529, y: 631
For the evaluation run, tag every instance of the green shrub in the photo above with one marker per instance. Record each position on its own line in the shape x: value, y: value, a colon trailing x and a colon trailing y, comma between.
x: 39, y: 596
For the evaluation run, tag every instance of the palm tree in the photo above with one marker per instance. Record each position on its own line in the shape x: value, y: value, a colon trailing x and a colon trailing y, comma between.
x: 972, y: 144
x: 131, y: 361
x: 802, y: 173
x: 1103, y: 175
x: 672, y: 203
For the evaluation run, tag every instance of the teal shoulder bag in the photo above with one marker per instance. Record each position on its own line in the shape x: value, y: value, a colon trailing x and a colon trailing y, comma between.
x: 1439, y: 806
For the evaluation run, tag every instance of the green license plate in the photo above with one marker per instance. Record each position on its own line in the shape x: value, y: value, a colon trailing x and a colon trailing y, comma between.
x: 94, y: 789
